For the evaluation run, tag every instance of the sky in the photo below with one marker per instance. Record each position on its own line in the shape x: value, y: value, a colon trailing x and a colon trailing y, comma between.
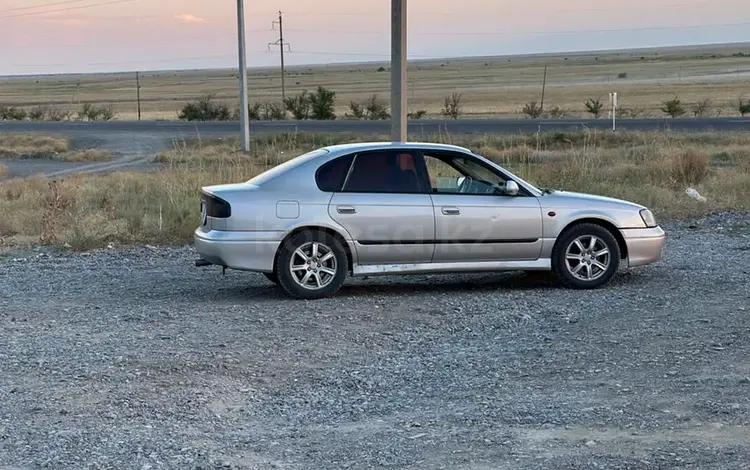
x: 80, y: 36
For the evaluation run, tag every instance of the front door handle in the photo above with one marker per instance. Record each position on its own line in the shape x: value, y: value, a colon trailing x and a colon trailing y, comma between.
x: 451, y: 211
x: 345, y: 209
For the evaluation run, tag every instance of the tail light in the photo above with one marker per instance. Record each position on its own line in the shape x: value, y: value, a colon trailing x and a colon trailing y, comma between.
x: 216, y: 207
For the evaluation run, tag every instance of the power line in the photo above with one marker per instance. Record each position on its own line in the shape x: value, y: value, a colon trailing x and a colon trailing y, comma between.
x: 452, y: 13
x: 35, y: 7
x: 509, y: 33
x: 83, y: 7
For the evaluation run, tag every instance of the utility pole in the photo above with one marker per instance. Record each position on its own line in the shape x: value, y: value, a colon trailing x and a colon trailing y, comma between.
x: 398, y: 71
x: 281, y: 45
x: 138, y: 92
x: 244, y: 111
x: 544, y: 87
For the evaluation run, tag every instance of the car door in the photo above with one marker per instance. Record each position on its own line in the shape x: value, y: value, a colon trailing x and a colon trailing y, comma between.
x: 474, y: 219
x: 386, y: 209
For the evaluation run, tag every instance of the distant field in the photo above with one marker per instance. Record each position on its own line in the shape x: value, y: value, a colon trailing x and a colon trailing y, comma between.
x: 491, y: 87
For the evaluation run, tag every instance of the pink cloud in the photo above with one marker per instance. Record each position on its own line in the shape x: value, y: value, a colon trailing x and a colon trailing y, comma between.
x: 190, y: 18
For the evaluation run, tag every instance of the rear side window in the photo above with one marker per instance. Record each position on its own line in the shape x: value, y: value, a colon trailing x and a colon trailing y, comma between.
x: 384, y: 172
x: 330, y: 176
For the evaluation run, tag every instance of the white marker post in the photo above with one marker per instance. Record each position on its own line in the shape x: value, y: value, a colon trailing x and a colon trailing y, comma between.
x: 613, y: 107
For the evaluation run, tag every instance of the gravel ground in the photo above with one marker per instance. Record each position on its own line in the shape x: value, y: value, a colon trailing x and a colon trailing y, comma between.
x: 136, y: 359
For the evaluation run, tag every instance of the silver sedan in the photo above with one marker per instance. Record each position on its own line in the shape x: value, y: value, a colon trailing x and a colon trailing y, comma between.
x: 414, y: 208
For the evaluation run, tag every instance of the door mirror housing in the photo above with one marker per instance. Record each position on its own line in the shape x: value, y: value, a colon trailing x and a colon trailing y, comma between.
x: 511, y: 188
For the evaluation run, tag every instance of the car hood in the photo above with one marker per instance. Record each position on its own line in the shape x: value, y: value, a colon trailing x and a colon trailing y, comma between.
x: 560, y: 198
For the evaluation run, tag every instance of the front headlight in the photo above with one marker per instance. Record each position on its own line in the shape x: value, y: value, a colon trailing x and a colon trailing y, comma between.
x: 648, y: 218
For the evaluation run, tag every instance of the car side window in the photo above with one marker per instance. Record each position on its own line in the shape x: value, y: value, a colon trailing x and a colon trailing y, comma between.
x: 331, y: 175
x: 459, y: 174
x: 384, y: 172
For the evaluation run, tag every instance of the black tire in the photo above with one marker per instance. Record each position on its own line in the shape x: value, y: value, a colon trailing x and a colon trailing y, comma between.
x: 272, y: 277
x: 598, y: 277
x: 338, y: 263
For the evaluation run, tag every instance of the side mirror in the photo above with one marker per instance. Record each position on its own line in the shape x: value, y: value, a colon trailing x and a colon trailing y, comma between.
x: 511, y: 188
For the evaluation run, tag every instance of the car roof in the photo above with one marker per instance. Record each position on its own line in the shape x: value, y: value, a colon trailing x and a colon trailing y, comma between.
x: 366, y: 146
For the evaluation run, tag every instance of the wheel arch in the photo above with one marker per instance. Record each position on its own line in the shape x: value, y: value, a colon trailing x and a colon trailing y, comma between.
x: 319, y: 228
x: 606, y: 224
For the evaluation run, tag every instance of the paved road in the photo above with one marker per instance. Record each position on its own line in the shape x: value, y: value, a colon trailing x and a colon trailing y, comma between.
x: 134, y: 143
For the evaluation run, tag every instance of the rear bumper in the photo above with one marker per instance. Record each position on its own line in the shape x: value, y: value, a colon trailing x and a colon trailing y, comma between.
x: 645, y: 246
x: 244, y: 251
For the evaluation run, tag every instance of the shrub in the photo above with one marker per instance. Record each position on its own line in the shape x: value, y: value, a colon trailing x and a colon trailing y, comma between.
x: 58, y: 114
x: 273, y: 112
x: 622, y: 75
x: 418, y: 114
x: 357, y: 109
x: 107, y: 113
x: 205, y: 110
x: 594, y: 107
x: 558, y: 112
x: 12, y: 113
x: 532, y: 110
x: 452, y: 106
x: 744, y: 107
x: 673, y: 108
x: 38, y: 113
x: 701, y: 108
x: 323, y: 104
x: 299, y: 105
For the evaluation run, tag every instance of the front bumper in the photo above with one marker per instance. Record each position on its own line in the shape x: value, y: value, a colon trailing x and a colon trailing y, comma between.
x: 645, y: 246
x: 244, y: 251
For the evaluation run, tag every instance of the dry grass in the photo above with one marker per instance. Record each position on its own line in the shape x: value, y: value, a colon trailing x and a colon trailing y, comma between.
x: 89, y: 155
x: 161, y: 207
x: 497, y: 86
x: 31, y: 145
x: 44, y: 146
x: 3, y: 170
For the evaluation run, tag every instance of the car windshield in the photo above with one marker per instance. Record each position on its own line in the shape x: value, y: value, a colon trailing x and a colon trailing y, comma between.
x: 268, y: 175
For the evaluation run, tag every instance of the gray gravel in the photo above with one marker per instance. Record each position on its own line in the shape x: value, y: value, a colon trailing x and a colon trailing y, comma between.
x: 136, y: 359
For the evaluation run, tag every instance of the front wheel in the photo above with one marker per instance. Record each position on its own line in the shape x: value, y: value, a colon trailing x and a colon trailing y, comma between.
x: 312, y: 265
x: 586, y: 257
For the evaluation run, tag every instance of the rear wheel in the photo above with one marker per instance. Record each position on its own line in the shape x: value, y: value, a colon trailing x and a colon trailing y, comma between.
x: 311, y: 265
x: 586, y: 256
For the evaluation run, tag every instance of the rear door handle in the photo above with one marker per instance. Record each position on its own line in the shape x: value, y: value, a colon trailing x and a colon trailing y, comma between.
x: 345, y: 209
x: 451, y: 211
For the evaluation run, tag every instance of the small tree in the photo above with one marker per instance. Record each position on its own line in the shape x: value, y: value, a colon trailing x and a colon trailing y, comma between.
x: 418, y: 114
x: 299, y: 105
x: 38, y: 113
x: 357, y: 109
x: 532, y: 110
x: 594, y: 107
x: 701, y: 108
x: 558, y: 112
x: 744, y: 107
x: 673, y: 108
x: 376, y: 109
x: 107, y: 113
x: 323, y: 104
x: 452, y: 106
x: 203, y: 110
x: 273, y: 112
x: 11, y: 113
